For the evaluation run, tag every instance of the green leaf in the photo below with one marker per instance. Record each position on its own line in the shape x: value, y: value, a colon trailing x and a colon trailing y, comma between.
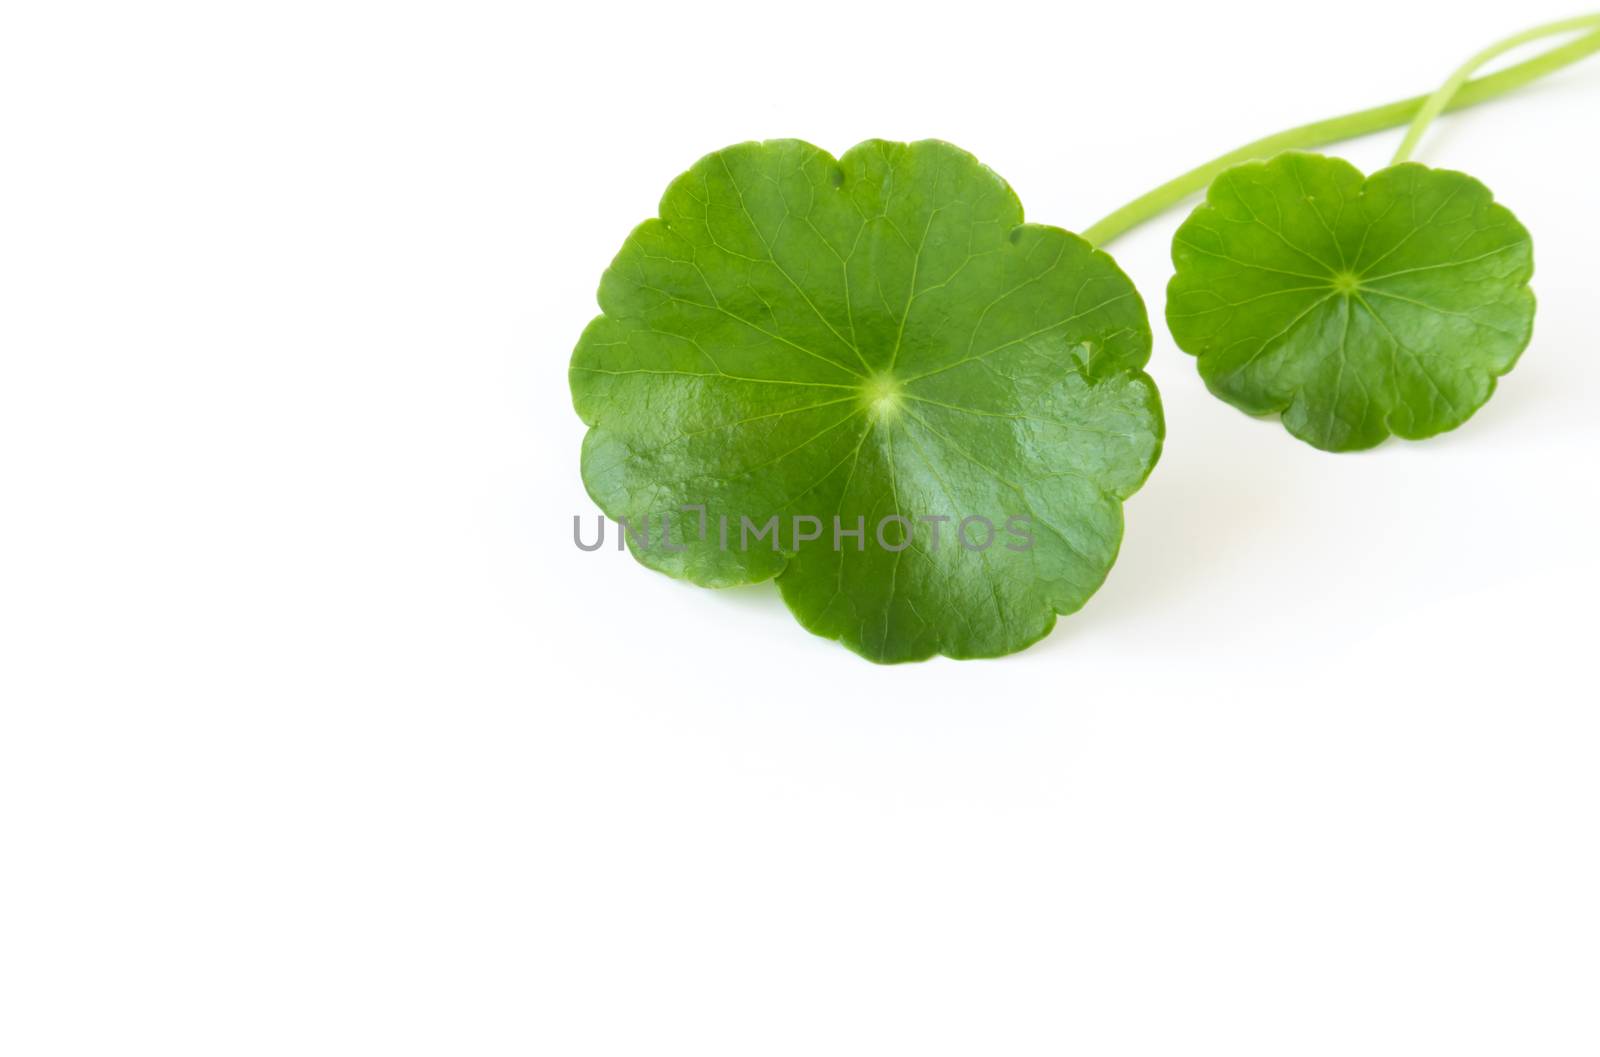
x: 874, y: 335
x: 1355, y: 307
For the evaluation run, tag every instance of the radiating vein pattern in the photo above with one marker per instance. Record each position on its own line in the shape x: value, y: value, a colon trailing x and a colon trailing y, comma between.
x: 1356, y: 307
x: 878, y: 336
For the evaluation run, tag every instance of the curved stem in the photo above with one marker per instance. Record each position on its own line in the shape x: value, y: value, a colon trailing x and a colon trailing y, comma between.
x: 1447, y: 91
x: 1332, y: 130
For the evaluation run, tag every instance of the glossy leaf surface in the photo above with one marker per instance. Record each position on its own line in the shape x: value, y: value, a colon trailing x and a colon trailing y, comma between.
x: 854, y: 338
x: 1354, y: 306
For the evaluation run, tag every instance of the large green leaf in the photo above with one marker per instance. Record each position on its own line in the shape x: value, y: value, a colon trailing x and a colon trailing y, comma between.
x: 859, y: 337
x: 1357, y: 307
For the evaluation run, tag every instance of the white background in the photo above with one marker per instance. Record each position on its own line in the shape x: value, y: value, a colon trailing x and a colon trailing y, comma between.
x: 318, y: 736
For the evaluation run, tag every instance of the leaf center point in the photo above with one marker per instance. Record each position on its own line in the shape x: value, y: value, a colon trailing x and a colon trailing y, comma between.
x: 1346, y: 282
x: 882, y: 394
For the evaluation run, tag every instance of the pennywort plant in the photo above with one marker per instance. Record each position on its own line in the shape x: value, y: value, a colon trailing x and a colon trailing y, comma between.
x: 873, y: 353
x: 846, y: 340
x: 1354, y: 306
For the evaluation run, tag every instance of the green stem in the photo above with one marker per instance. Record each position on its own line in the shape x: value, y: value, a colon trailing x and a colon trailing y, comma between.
x: 1447, y: 91
x: 1332, y: 130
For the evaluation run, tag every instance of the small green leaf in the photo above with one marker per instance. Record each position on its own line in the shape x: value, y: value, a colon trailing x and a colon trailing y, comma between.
x: 874, y: 335
x: 1356, y: 307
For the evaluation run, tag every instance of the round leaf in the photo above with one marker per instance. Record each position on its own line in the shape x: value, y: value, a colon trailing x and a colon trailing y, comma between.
x: 1354, y: 306
x: 843, y: 343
